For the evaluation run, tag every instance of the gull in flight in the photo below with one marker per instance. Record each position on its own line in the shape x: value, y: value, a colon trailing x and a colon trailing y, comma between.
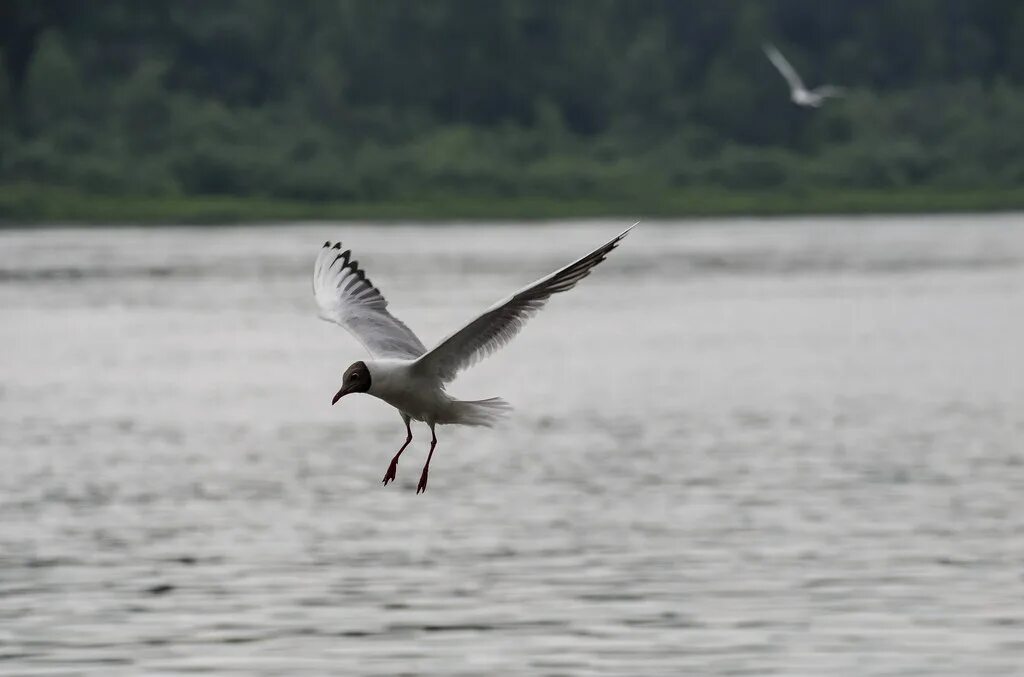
x: 800, y: 95
x: 402, y: 372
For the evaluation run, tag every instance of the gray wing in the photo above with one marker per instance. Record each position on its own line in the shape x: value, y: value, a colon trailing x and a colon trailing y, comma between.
x: 347, y: 298
x: 501, y: 322
x: 784, y: 67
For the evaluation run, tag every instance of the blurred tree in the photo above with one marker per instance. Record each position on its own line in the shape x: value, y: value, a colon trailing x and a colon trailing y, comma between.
x: 375, y: 99
x: 53, y: 85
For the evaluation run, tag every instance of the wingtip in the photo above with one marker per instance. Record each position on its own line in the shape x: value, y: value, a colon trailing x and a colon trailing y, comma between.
x: 626, y: 232
x: 618, y: 238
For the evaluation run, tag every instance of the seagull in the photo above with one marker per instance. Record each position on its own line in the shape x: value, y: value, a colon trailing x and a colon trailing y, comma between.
x: 800, y: 95
x: 402, y: 372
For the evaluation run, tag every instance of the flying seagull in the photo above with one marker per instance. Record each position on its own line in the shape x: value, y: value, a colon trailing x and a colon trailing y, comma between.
x: 800, y: 95
x: 402, y: 372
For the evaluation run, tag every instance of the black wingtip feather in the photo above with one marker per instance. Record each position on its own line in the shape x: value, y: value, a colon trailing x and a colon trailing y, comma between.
x: 337, y: 245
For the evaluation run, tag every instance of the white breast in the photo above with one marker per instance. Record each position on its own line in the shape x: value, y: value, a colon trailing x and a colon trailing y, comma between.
x: 419, y: 397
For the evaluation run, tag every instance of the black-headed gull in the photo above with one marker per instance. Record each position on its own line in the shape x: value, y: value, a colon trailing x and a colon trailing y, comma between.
x: 799, y: 94
x: 402, y: 372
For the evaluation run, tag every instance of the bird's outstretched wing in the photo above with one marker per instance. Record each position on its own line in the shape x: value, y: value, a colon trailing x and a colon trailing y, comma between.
x: 346, y: 297
x: 501, y: 322
x: 784, y: 67
x: 829, y: 91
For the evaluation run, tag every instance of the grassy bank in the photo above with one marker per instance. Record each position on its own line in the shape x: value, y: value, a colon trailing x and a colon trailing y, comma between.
x: 32, y: 205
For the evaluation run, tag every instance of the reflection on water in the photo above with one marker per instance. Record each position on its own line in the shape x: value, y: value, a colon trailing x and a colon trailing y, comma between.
x: 785, y: 447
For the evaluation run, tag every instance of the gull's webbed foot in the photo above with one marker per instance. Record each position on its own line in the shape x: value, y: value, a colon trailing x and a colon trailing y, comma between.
x: 392, y: 472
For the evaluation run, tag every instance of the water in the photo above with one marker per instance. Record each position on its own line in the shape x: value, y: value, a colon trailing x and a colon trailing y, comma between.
x: 783, y: 447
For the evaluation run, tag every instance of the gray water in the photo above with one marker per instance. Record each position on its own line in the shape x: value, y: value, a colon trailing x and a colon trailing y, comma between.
x: 784, y: 447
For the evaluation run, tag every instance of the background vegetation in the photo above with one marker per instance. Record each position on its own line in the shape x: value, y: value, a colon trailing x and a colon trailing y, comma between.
x: 219, y: 109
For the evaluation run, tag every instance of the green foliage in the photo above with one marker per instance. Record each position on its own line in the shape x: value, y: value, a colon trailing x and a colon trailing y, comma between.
x: 6, y: 97
x: 577, y: 104
x: 54, y: 85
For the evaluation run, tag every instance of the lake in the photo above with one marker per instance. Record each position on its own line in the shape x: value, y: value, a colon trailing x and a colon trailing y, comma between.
x: 765, y: 447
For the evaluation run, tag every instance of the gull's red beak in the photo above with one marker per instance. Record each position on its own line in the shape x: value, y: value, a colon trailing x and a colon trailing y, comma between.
x: 341, y: 393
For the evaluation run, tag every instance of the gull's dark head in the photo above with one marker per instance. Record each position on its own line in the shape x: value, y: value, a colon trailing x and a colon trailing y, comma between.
x: 355, y: 380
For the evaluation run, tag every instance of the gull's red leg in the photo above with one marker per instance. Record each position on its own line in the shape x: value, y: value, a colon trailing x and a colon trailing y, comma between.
x: 389, y: 476
x: 422, y: 486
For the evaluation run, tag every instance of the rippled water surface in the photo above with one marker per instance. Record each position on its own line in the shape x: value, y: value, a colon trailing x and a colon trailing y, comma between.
x: 782, y: 447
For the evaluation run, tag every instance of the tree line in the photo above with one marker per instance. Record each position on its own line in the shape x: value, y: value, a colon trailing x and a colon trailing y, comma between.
x: 378, y: 100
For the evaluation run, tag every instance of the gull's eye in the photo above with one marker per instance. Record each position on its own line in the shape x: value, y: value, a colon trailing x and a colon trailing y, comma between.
x: 352, y: 376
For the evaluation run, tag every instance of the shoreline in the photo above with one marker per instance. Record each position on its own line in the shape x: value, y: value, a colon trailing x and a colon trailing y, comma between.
x: 30, y: 207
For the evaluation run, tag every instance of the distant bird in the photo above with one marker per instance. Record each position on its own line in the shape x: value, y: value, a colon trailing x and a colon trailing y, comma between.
x: 799, y: 94
x: 402, y: 372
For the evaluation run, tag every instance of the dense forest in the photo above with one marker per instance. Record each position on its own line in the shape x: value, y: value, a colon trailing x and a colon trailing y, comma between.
x: 638, y: 105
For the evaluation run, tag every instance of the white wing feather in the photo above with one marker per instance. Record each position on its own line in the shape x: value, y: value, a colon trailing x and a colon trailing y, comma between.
x: 784, y: 67
x: 347, y: 298
x: 503, y: 321
x: 827, y: 91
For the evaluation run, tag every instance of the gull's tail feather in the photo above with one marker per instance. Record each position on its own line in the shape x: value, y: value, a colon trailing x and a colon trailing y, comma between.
x: 478, y: 412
